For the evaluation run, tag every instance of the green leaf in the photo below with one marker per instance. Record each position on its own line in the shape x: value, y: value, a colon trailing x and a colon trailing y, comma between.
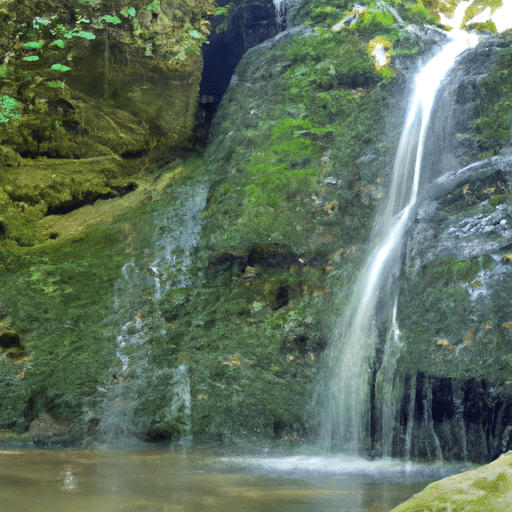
x: 60, y: 67
x: 34, y: 44
x: 130, y: 11
x: 9, y: 109
x: 154, y: 6
x: 111, y: 19
x: 59, y: 42
x: 196, y: 35
x: 85, y: 35
x: 32, y: 58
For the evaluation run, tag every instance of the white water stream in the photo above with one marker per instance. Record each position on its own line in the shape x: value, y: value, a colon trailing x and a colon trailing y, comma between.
x: 282, y: 9
x: 146, y: 278
x: 346, y: 421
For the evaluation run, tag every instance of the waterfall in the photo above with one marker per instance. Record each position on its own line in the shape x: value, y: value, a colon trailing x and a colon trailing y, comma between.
x: 146, y: 278
x: 282, y: 10
x: 351, y: 363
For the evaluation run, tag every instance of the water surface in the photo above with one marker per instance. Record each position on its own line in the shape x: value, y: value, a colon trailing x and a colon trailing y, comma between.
x: 187, y: 480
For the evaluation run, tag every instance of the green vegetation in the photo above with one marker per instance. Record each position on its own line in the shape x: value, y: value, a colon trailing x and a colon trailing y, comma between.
x: 445, y: 331
x: 374, y: 18
x: 56, y: 300
x: 9, y: 109
x: 484, y: 488
x: 449, y: 270
x: 250, y: 380
x: 493, y: 127
x: 374, y: 21
x: 313, y: 106
x: 289, y: 171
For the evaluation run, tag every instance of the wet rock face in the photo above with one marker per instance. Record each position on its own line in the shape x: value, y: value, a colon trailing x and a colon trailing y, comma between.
x: 470, y: 220
x: 453, y: 419
x: 44, y: 426
x: 455, y: 317
x: 88, y: 97
x: 451, y: 126
x: 144, y: 61
x: 454, y: 309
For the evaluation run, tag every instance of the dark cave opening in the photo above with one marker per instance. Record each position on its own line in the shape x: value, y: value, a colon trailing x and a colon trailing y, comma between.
x: 246, y: 24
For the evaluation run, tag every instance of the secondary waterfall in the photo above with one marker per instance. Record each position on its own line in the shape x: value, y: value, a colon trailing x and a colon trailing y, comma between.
x: 146, y: 278
x: 347, y: 424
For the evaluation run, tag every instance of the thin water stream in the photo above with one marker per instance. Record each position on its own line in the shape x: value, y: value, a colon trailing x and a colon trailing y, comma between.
x: 184, y: 480
x: 347, y: 422
x: 146, y: 278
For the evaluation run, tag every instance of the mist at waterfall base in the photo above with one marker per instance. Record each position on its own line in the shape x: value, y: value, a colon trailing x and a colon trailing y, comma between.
x: 354, y: 374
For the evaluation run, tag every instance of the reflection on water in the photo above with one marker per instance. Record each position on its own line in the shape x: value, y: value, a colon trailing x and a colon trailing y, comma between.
x: 196, y: 481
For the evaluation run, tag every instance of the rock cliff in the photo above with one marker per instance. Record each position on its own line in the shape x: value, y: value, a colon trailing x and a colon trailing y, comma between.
x: 297, y: 161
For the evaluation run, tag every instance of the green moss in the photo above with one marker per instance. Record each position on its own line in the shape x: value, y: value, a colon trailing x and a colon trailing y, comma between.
x: 492, y: 128
x: 485, y: 26
x: 498, y: 199
x: 451, y: 270
x: 497, y: 486
x: 247, y: 382
x: 9, y: 109
x: 315, y: 11
x: 312, y: 58
x: 374, y: 21
x: 449, y: 333
x: 57, y: 299
x: 419, y: 13
x: 312, y: 108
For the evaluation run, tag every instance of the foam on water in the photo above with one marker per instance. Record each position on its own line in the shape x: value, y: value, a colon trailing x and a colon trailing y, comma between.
x: 343, y: 465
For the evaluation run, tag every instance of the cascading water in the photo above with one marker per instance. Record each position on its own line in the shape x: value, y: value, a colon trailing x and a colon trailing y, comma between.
x: 145, y: 279
x: 347, y: 422
x: 282, y: 10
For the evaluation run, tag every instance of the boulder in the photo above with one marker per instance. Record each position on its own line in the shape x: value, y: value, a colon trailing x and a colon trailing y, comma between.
x: 44, y: 426
x: 486, y: 488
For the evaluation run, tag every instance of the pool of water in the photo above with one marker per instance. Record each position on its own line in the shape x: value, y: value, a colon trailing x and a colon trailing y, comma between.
x: 186, y: 480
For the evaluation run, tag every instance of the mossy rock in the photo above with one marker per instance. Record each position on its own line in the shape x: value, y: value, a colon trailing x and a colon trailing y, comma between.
x: 285, y: 124
x: 9, y: 157
x: 486, y: 488
x: 149, y: 69
x: 61, y: 183
x: 81, y: 129
x: 116, y: 129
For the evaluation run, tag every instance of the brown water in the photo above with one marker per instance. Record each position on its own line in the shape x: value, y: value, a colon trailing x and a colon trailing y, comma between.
x: 196, y: 481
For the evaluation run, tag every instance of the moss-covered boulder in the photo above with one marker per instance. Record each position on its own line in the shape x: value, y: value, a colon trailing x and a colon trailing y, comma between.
x: 284, y: 145
x: 486, y: 488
